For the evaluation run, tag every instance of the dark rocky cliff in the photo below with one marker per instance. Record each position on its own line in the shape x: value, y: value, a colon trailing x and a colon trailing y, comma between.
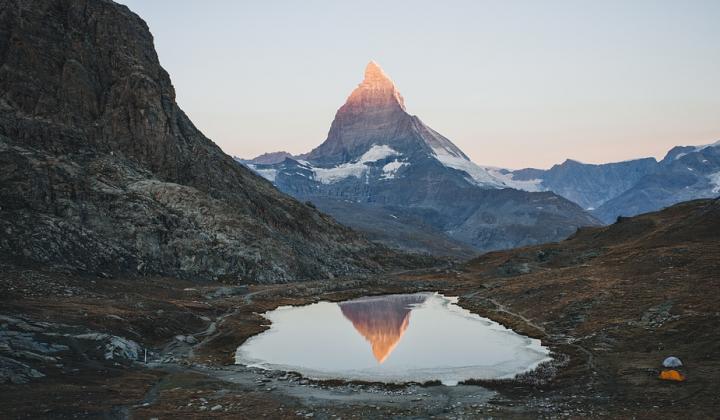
x: 101, y: 171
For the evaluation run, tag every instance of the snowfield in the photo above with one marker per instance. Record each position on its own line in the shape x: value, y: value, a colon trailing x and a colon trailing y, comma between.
x: 356, y: 168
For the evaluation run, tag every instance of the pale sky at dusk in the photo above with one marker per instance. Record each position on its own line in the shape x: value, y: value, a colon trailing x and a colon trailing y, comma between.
x: 512, y: 83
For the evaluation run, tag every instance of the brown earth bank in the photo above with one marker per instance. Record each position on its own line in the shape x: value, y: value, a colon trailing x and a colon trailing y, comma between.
x: 611, y: 303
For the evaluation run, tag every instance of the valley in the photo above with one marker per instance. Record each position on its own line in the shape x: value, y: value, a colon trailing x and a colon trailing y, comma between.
x: 607, y: 353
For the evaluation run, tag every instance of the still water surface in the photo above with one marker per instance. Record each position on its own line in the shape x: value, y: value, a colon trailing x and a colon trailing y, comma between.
x: 392, y: 338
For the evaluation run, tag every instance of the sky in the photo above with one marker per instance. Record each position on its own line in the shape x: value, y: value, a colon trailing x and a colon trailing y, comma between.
x: 512, y: 83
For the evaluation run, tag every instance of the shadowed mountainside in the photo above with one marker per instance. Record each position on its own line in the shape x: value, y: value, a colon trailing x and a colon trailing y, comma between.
x: 102, y: 172
x: 631, y: 187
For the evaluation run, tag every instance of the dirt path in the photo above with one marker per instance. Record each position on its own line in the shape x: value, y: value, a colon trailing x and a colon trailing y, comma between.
x: 502, y: 308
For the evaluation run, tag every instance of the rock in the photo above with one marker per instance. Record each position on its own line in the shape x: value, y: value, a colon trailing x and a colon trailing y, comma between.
x: 115, y: 347
x: 15, y: 372
x: 216, y: 407
x: 658, y: 315
x: 672, y: 362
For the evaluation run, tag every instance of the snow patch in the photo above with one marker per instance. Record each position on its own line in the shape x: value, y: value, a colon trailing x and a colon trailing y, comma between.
x: 267, y: 173
x: 337, y: 173
x: 391, y: 169
x: 478, y: 175
x: 377, y: 153
x: 715, y: 181
x: 507, y: 178
x: 452, y: 157
x: 356, y: 168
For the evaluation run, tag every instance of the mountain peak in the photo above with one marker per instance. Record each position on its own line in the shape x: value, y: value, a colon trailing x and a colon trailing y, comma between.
x: 374, y: 115
x: 374, y: 74
x: 377, y: 90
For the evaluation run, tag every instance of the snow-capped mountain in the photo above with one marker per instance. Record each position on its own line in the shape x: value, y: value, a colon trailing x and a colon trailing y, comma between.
x: 385, y: 172
x: 631, y: 187
x: 374, y: 127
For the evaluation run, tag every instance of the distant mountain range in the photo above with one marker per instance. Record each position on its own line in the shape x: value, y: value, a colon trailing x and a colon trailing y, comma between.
x: 386, y: 173
x: 631, y: 187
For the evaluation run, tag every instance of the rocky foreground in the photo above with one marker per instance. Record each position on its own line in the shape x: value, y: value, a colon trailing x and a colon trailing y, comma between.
x: 611, y: 303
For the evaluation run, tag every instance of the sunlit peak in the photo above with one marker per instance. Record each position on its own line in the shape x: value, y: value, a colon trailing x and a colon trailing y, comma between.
x: 376, y: 91
x: 374, y: 74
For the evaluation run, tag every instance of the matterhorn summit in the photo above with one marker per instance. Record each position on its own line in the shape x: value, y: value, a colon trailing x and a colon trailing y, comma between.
x: 375, y: 115
x: 377, y: 90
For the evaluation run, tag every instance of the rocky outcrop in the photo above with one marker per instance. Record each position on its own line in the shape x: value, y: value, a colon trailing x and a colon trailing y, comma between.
x: 102, y: 172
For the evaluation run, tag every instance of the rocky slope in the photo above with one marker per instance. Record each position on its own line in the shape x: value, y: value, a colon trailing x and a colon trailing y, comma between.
x: 686, y: 173
x: 102, y: 172
x: 380, y: 162
x: 585, y: 184
x: 631, y: 187
x: 618, y: 300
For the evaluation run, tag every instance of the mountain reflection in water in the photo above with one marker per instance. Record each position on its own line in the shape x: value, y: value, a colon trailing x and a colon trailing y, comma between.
x: 374, y: 339
x: 382, y: 320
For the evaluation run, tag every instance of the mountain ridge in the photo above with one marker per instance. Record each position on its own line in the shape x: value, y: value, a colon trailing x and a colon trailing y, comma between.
x: 634, y: 186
